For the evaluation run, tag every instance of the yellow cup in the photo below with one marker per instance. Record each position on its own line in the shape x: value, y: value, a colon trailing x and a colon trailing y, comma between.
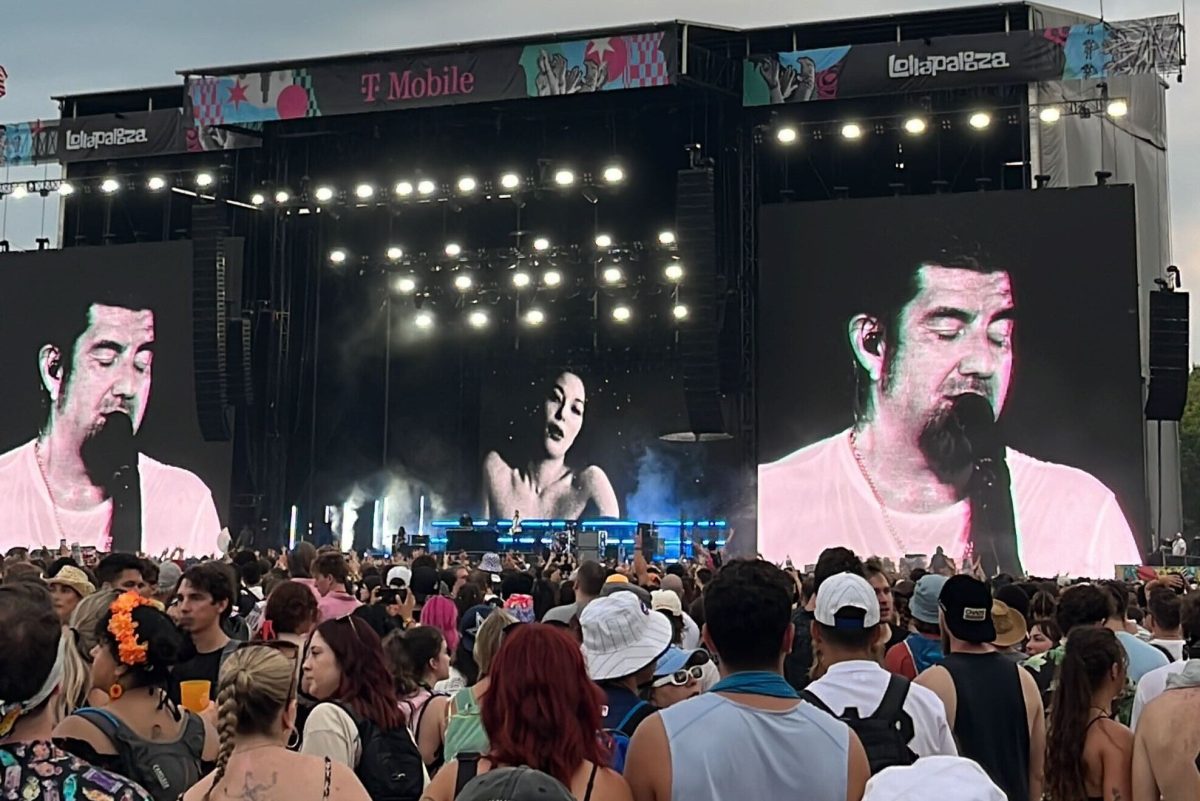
x: 194, y: 694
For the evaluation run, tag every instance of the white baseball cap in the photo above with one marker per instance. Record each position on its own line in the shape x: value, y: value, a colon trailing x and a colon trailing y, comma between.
x: 402, y: 572
x: 846, y: 590
x: 622, y: 635
x: 933, y: 777
x: 667, y: 601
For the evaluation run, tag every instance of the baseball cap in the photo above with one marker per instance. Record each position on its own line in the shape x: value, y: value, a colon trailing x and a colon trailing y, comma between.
x: 515, y: 784
x: 677, y: 659
x: 617, y: 578
x: 424, y: 582
x: 401, y: 572
x: 561, y: 615
x: 1009, y: 623
x: 667, y: 601
x: 74, y: 578
x: 967, y: 605
x: 469, y: 623
x: 842, y: 591
x: 169, y: 574
x: 938, y: 776
x: 924, y: 603
x: 621, y: 635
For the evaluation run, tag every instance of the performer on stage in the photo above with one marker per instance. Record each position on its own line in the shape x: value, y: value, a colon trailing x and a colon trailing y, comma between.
x: 543, y: 484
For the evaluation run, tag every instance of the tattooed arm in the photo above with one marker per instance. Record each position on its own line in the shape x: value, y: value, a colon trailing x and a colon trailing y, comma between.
x: 1116, y: 762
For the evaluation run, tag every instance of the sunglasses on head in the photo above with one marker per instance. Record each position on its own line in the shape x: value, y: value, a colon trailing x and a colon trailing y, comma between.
x: 680, y: 677
x: 284, y: 647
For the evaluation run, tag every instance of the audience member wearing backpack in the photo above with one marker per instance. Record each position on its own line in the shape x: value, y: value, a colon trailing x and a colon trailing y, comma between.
x: 419, y: 658
x: 480, y: 628
x: 140, y: 733
x: 357, y: 720
x: 539, y: 677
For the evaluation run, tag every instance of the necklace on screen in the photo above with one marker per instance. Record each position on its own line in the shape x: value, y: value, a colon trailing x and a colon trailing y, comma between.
x: 37, y: 457
x: 866, y: 474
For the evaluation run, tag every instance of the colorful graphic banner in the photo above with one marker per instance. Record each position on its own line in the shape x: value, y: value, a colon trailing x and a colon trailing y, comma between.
x: 405, y: 81
x: 33, y: 142
x: 1096, y: 51
x: 102, y: 137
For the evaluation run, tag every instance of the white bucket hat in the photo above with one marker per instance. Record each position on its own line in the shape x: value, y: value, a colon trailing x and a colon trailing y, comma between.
x: 621, y: 635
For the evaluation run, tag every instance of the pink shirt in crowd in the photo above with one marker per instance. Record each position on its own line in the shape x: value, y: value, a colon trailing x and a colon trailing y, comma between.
x: 177, y: 510
x: 336, y: 604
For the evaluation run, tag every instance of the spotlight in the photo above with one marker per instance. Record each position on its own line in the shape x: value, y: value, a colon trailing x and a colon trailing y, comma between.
x: 426, y: 187
x: 541, y: 243
x: 612, y: 275
x: 852, y: 130
x: 364, y: 191
x: 604, y: 241
x: 156, y: 183
x: 552, y: 278
x: 477, y: 318
x: 406, y: 285
x: 786, y: 135
x: 463, y: 282
x: 1050, y: 114
x: 621, y: 313
x: 467, y: 184
x: 204, y: 179
x: 282, y: 197
x: 258, y: 198
x: 915, y: 125
x: 404, y: 188
x: 510, y: 180
x: 108, y: 186
x: 980, y: 120
x: 453, y: 250
x: 666, y: 238
x: 613, y: 174
x: 395, y: 253
x: 19, y: 191
x: 680, y: 311
x: 324, y: 194
x: 423, y: 320
x: 564, y: 177
x: 521, y: 280
x: 65, y: 189
x: 337, y: 256
x: 674, y: 271
x: 1118, y: 108
x: 535, y: 317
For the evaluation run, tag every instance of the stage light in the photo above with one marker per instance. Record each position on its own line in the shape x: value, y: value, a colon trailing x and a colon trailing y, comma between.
x: 65, y: 189
x: 108, y: 186
x: 621, y: 313
x: 510, y: 180
x: 604, y: 241
x: 364, y: 191
x: 477, y: 318
x: 786, y: 135
x: 552, y: 278
x: 613, y: 174
x: 156, y: 183
x: 426, y: 187
x: 666, y: 238
x: 406, y: 285
x: 674, y: 271
x: 453, y: 250
x: 680, y: 311
x: 852, y: 130
x: 521, y: 280
x: 204, y: 179
x: 535, y: 317
x: 463, y: 282
x: 404, y: 188
x: 980, y: 120
x: 19, y: 191
x: 915, y: 125
x: 541, y: 243
x: 1050, y: 114
x: 612, y: 275
x: 258, y: 199
x: 423, y: 320
x: 324, y: 194
x: 1118, y: 108
x: 564, y: 177
x: 395, y: 253
x: 337, y: 256
x: 282, y: 197
x: 467, y: 184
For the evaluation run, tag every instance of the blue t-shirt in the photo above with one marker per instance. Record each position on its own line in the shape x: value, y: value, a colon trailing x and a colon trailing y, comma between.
x: 618, y: 702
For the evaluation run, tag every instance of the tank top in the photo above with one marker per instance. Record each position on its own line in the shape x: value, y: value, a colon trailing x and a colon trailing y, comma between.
x: 990, y: 723
x: 798, y: 753
x: 464, y: 731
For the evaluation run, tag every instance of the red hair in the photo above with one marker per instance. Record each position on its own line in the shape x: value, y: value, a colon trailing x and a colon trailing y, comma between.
x: 541, y: 709
x: 366, y: 685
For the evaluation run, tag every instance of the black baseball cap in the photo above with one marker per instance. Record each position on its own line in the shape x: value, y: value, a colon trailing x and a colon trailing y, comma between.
x: 967, y: 606
x: 515, y: 784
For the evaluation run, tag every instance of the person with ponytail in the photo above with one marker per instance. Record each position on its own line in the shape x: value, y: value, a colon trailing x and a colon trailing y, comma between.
x: 81, y: 635
x: 139, y: 732
x: 419, y: 658
x: 1089, y: 755
x: 256, y: 718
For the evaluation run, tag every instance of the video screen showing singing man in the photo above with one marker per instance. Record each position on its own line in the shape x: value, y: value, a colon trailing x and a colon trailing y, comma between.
x: 82, y: 479
x: 925, y: 463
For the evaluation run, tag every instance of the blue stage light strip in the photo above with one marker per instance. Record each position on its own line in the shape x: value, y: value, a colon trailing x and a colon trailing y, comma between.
x: 504, y: 524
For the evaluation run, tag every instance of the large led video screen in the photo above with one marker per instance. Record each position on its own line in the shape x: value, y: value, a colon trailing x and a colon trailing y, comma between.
x: 952, y: 371
x: 99, y: 440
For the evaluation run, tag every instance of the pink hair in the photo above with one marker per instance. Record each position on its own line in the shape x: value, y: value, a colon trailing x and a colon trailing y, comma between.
x: 440, y: 612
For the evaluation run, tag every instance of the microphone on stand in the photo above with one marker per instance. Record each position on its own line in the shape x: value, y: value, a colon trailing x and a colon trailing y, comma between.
x: 113, y: 462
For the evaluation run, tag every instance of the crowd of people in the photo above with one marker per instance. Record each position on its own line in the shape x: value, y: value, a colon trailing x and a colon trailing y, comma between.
x: 265, y: 676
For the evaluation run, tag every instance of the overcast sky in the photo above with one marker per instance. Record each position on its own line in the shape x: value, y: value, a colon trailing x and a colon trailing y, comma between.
x: 71, y: 46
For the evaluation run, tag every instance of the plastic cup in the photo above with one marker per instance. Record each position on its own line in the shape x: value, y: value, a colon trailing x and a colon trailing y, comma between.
x: 193, y: 694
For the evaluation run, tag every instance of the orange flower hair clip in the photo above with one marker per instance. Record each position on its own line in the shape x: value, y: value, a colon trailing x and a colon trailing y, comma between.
x: 123, y: 628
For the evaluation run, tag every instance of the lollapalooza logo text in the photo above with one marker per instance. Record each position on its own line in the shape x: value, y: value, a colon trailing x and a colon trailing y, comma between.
x: 931, y: 66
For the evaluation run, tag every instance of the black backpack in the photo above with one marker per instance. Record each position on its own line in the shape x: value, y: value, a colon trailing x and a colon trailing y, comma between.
x: 390, y: 766
x: 885, y: 735
x: 166, y: 769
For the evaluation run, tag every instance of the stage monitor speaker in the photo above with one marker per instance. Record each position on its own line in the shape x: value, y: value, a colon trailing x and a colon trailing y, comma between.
x: 587, y: 545
x: 1167, y: 392
x: 209, y: 325
x: 472, y: 540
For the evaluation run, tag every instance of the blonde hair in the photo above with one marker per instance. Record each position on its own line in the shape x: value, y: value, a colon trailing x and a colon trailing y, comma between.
x: 255, y: 686
x: 82, y: 635
x: 487, y: 640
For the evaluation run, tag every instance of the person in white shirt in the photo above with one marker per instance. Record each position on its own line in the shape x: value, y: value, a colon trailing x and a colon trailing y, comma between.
x: 1164, y: 617
x: 1154, y: 683
x: 845, y: 632
x: 1179, y: 546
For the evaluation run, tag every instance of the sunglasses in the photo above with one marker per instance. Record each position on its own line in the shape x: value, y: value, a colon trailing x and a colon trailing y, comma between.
x: 680, y: 677
x: 288, y: 649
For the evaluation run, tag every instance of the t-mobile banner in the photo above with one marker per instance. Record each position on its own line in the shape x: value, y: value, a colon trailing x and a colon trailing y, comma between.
x: 967, y: 377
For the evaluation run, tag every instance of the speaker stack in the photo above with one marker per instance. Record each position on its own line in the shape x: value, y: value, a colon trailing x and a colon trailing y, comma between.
x: 209, y: 320
x: 1167, y: 393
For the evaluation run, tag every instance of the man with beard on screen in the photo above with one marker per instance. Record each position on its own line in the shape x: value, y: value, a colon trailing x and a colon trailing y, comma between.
x: 925, y: 465
x: 82, y: 479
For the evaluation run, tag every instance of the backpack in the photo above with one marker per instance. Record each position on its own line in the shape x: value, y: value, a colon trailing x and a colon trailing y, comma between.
x: 166, y: 769
x: 885, y: 735
x: 620, y: 737
x: 390, y: 766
